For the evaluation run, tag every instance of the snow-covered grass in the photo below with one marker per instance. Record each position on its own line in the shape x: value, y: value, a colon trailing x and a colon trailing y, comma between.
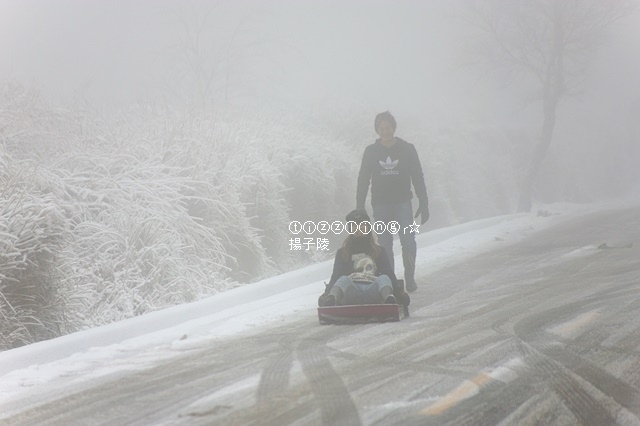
x: 143, y: 341
x: 108, y: 216
x: 31, y: 233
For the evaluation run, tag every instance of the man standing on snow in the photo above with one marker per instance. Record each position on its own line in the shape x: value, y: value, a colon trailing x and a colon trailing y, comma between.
x: 391, y: 165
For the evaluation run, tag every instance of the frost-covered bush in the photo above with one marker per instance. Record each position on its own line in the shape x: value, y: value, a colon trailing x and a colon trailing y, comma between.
x: 270, y: 163
x: 32, y: 227
x: 143, y: 208
x: 137, y: 241
x: 32, y: 129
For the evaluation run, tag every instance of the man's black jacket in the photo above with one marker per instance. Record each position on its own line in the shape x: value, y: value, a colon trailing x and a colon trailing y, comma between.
x: 390, y: 170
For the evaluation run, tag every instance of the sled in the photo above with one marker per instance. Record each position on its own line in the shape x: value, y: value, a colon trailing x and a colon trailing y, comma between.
x: 360, y: 314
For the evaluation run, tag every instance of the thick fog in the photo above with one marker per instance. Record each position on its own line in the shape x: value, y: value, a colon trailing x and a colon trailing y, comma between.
x: 404, y: 56
x: 190, y: 134
x: 383, y: 54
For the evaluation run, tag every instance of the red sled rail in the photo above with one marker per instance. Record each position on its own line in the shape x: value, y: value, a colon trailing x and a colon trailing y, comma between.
x: 358, y: 314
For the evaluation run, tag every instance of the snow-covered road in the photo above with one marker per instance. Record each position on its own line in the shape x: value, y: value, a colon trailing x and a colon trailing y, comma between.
x: 521, y: 320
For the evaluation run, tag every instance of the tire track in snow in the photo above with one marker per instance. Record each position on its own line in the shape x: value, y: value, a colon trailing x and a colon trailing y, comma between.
x: 559, y: 364
x: 275, y: 376
x: 332, y: 396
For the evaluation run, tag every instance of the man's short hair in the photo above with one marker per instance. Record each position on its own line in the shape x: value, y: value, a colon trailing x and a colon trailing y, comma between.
x: 384, y: 116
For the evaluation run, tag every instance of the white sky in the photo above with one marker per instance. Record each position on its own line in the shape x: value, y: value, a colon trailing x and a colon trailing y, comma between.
x: 391, y: 54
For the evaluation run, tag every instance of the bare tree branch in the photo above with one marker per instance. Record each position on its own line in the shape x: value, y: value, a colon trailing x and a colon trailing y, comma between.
x: 549, y: 40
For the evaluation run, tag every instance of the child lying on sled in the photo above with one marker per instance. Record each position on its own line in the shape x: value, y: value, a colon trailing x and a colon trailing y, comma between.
x: 362, y: 273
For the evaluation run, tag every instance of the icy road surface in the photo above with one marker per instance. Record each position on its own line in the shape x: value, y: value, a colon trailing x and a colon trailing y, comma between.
x: 542, y: 331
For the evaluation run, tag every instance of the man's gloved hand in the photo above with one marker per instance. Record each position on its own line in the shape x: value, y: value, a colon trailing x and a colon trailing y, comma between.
x: 423, y: 211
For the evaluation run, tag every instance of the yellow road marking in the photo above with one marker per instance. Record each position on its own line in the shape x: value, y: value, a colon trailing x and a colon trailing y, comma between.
x: 571, y: 326
x: 466, y: 390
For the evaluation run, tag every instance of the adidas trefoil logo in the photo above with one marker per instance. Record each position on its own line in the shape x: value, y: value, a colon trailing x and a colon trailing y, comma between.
x: 388, y: 167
